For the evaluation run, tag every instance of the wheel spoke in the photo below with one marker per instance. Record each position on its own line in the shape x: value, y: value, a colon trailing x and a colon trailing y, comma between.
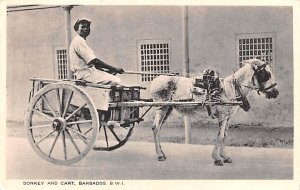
x: 40, y: 126
x: 78, y: 128
x: 64, y: 144
x: 55, y: 140
x: 42, y: 114
x: 78, y: 109
x: 78, y: 133
x: 88, y: 130
x: 50, y: 106
x: 79, y: 122
x: 105, y: 136
x: 73, y: 142
x: 67, y: 105
x: 81, y: 138
x: 46, y: 136
x: 59, y: 102
x: 113, y: 132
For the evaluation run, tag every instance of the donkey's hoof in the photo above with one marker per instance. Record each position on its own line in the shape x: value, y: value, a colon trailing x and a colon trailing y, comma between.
x: 219, y: 163
x: 161, y: 158
x: 227, y: 160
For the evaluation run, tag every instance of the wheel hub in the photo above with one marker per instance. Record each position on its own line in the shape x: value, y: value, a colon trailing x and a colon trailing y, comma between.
x: 59, y: 124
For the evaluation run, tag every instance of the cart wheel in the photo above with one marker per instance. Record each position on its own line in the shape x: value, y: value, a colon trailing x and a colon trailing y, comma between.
x: 112, y: 137
x: 61, y: 123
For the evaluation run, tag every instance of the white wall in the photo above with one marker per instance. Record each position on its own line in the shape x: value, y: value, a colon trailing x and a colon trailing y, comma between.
x: 116, y: 29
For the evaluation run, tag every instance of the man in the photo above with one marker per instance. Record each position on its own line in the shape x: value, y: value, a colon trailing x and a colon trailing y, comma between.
x: 84, y: 63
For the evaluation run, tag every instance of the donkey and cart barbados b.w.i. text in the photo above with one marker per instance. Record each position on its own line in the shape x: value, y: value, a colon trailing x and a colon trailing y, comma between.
x: 65, y: 119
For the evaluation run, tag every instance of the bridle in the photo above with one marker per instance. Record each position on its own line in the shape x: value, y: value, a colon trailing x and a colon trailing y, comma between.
x: 262, y: 75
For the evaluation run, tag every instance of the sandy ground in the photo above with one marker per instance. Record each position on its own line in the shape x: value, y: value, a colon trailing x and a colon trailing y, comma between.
x: 257, y: 153
x: 137, y: 160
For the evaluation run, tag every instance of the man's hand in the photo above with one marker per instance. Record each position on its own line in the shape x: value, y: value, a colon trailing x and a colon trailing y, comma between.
x: 100, y: 65
x: 119, y: 70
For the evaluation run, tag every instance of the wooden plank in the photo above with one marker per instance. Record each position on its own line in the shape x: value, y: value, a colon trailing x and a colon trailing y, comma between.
x: 172, y: 103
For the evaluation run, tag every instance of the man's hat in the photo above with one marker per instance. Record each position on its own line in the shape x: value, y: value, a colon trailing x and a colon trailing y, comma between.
x: 81, y: 20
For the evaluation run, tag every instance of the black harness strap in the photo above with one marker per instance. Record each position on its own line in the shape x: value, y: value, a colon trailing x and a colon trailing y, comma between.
x: 240, y: 97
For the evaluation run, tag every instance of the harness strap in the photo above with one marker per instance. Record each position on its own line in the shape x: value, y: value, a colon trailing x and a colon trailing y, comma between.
x: 240, y: 97
x: 271, y: 86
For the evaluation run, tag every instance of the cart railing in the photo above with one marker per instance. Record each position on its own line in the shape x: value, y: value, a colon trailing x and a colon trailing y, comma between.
x: 84, y: 83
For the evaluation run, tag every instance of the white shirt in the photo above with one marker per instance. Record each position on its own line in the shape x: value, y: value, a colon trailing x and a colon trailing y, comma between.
x: 80, y: 55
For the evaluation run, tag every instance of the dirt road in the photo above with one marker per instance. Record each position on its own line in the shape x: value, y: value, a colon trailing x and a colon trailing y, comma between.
x: 137, y: 160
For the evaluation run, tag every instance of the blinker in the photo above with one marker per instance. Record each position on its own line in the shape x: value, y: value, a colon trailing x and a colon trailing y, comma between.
x: 263, y: 75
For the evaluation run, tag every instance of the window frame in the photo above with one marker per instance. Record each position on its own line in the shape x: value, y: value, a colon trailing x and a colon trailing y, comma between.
x: 155, y: 58
x: 57, y: 74
x: 249, y: 36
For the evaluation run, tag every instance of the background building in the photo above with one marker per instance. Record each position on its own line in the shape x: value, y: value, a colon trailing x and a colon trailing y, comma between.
x: 149, y: 38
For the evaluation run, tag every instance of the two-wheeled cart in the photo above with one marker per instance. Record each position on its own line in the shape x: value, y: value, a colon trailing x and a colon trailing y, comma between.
x: 65, y: 119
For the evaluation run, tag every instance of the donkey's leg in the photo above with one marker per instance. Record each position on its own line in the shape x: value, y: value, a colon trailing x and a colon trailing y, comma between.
x: 226, y: 159
x: 223, y: 119
x: 161, y: 114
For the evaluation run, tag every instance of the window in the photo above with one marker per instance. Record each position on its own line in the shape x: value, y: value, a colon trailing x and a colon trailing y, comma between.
x: 260, y: 46
x: 154, y: 57
x: 61, y: 62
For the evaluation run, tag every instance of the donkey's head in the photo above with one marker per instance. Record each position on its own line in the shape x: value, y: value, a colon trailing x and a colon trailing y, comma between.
x: 263, y: 79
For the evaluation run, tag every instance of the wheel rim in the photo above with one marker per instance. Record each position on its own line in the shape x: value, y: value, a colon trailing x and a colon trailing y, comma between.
x: 111, y: 137
x: 61, y: 123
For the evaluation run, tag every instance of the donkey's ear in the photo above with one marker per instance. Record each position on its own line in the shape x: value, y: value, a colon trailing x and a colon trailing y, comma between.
x: 244, y: 62
x: 257, y: 64
x: 261, y: 66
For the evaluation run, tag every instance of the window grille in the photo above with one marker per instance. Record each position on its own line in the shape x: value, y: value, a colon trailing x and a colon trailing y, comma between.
x: 61, y: 62
x: 154, y: 57
x: 260, y: 46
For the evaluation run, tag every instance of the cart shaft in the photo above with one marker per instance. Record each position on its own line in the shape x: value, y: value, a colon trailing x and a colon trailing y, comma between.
x: 172, y: 103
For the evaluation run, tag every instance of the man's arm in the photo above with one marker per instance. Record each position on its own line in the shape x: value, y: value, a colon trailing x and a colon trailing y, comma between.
x: 101, y: 65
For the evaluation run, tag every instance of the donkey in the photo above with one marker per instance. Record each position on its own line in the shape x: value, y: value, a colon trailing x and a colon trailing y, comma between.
x: 253, y: 75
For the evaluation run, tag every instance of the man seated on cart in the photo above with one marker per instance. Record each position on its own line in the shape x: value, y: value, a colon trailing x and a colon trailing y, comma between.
x: 83, y: 62
x: 87, y: 67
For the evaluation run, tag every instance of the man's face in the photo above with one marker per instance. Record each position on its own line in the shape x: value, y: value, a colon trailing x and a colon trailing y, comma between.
x: 84, y: 29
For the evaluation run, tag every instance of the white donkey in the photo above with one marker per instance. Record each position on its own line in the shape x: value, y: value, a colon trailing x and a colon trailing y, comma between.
x: 254, y: 75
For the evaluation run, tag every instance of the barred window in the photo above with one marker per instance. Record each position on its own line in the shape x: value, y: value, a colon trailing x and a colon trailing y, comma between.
x: 154, y: 57
x: 258, y: 45
x: 61, y: 61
